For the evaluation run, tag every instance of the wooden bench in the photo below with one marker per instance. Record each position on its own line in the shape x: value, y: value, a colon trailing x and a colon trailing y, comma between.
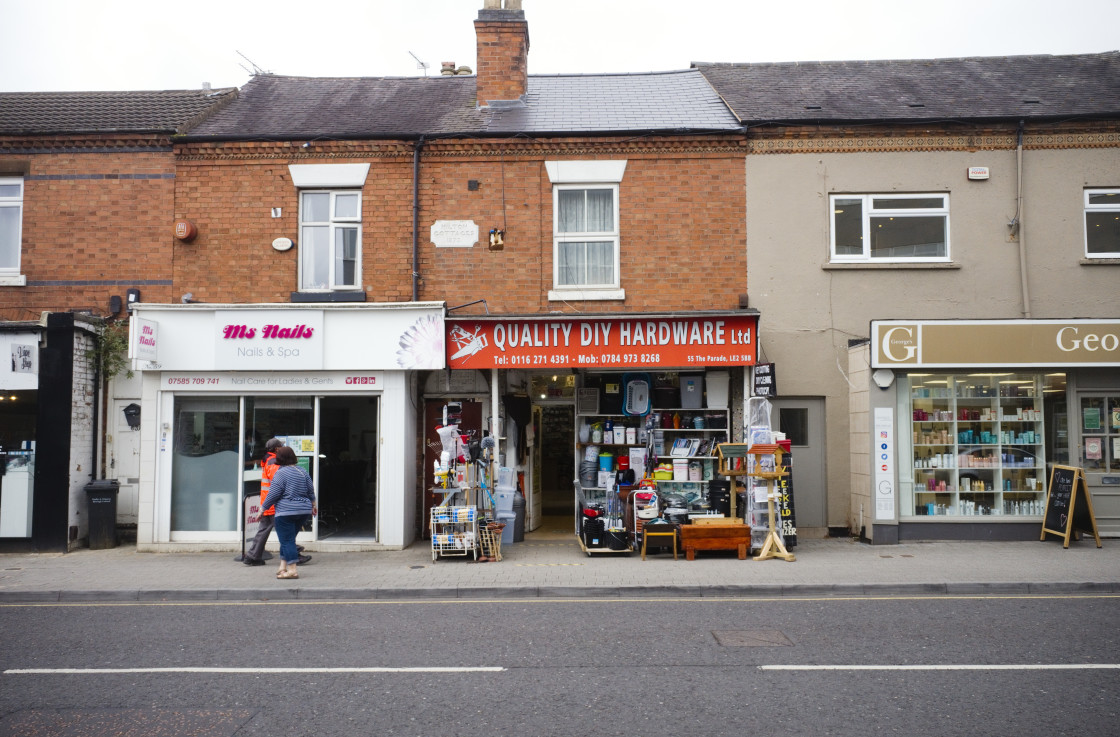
x: 722, y: 535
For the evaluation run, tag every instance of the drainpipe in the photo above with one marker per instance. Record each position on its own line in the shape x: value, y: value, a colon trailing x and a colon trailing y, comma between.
x: 416, y: 148
x: 1017, y: 225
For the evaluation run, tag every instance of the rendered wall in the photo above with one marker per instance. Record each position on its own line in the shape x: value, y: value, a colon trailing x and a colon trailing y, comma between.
x: 811, y: 309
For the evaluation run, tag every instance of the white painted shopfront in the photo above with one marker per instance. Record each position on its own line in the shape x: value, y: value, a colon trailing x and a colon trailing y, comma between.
x: 336, y: 383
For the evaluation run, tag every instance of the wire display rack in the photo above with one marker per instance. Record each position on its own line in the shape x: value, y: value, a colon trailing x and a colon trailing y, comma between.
x: 454, y: 531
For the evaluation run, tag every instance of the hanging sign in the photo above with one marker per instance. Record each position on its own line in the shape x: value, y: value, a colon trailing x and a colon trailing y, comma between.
x: 1069, y: 507
x: 602, y: 342
x: 765, y: 381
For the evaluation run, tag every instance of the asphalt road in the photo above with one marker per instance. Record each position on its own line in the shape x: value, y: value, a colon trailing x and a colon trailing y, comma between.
x: 861, y: 666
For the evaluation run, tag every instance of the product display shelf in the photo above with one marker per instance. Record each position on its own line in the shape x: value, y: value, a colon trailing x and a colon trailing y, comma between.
x: 978, y: 449
x: 589, y: 496
x: 454, y: 531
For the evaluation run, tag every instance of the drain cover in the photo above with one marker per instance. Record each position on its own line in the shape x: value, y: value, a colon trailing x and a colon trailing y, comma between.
x: 752, y: 638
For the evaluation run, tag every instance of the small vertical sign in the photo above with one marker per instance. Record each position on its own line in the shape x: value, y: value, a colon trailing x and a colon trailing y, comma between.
x: 883, y: 444
x: 765, y: 380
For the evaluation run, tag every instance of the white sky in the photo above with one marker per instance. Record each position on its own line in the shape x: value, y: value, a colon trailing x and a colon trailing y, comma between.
x: 60, y: 45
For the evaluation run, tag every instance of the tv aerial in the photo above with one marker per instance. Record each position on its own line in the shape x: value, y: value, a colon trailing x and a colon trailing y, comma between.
x: 421, y: 65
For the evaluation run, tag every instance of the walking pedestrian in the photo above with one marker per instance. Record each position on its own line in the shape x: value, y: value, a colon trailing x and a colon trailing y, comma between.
x: 293, y: 493
x: 254, y: 556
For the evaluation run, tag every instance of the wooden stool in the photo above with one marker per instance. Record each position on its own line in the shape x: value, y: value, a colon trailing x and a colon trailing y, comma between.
x: 649, y: 531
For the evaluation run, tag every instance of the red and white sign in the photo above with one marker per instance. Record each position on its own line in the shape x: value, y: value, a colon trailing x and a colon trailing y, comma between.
x: 602, y: 342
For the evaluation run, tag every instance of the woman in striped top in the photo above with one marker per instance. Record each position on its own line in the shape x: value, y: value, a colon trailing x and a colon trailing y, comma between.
x: 293, y: 493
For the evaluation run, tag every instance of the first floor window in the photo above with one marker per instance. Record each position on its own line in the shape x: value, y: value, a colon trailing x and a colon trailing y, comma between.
x: 586, y: 236
x: 1102, y: 223
x: 886, y: 228
x: 11, y: 223
x: 330, y: 239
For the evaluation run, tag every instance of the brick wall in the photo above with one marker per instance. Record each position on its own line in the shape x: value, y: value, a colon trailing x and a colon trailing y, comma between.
x: 94, y: 224
x: 682, y: 220
x: 501, y: 57
x: 83, y: 398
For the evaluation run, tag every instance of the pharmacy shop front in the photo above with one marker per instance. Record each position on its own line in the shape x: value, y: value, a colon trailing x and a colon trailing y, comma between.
x: 335, y: 383
x: 969, y: 417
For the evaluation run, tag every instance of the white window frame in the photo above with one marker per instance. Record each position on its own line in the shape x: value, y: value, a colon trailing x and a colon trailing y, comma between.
x: 585, y: 175
x: 1099, y: 208
x: 334, y: 224
x: 10, y: 276
x: 870, y: 213
x: 598, y: 236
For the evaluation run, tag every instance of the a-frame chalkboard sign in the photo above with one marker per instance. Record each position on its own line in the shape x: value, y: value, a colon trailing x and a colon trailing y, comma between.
x: 1068, y: 505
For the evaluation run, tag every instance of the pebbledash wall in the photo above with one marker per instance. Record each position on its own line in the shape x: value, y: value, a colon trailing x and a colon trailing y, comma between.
x: 209, y: 356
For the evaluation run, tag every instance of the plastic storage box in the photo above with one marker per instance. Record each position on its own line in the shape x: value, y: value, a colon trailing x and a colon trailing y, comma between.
x: 692, y: 391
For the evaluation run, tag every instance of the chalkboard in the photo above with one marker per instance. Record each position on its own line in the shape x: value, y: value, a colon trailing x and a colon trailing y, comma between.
x: 1068, y: 505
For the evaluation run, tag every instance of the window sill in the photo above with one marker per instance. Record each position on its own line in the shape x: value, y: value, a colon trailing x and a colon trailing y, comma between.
x: 348, y: 296
x: 13, y: 280
x: 585, y: 295
x: 890, y: 265
x: 1100, y: 262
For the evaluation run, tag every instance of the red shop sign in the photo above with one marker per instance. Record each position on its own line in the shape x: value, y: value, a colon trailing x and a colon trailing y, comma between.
x: 602, y: 342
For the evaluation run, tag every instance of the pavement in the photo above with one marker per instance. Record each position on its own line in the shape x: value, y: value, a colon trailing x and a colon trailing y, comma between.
x: 552, y: 565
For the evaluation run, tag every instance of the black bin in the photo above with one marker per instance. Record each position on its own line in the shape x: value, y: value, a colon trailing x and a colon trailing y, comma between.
x: 101, y: 506
x: 519, y: 517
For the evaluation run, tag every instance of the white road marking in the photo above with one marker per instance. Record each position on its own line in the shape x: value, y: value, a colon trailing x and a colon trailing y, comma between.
x: 103, y: 671
x: 978, y: 666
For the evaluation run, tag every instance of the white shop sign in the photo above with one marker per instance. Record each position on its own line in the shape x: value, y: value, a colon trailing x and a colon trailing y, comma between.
x: 359, y: 338
x: 302, y: 382
x: 22, y: 371
x: 276, y: 340
x: 883, y: 454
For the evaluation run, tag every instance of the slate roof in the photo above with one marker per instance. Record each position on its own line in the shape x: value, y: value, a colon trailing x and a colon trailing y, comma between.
x: 680, y: 100
x: 282, y: 107
x: 1008, y: 87
x: 44, y: 113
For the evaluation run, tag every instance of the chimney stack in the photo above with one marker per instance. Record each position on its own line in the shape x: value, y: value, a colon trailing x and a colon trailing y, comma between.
x: 503, y: 49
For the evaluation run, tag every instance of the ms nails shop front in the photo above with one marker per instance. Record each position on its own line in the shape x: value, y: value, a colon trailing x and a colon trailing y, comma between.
x: 336, y: 383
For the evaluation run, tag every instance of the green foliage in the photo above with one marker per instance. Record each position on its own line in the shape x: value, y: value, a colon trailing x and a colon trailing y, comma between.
x: 110, y: 354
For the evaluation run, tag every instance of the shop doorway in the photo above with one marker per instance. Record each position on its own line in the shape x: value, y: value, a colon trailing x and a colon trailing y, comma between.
x: 18, y: 415
x: 348, y: 467
x: 554, y: 464
x: 802, y: 420
x: 465, y: 412
x: 1098, y: 422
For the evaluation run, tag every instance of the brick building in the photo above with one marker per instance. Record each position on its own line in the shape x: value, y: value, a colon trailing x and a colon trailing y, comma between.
x: 86, y: 206
x: 569, y: 202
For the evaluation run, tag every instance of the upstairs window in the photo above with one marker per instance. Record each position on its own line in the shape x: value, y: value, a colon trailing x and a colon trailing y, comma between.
x: 586, y: 237
x: 330, y: 239
x: 330, y: 226
x: 889, y: 228
x: 11, y: 229
x: 1102, y: 223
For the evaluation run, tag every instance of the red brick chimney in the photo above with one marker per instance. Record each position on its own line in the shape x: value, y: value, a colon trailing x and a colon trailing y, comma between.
x: 503, y: 49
